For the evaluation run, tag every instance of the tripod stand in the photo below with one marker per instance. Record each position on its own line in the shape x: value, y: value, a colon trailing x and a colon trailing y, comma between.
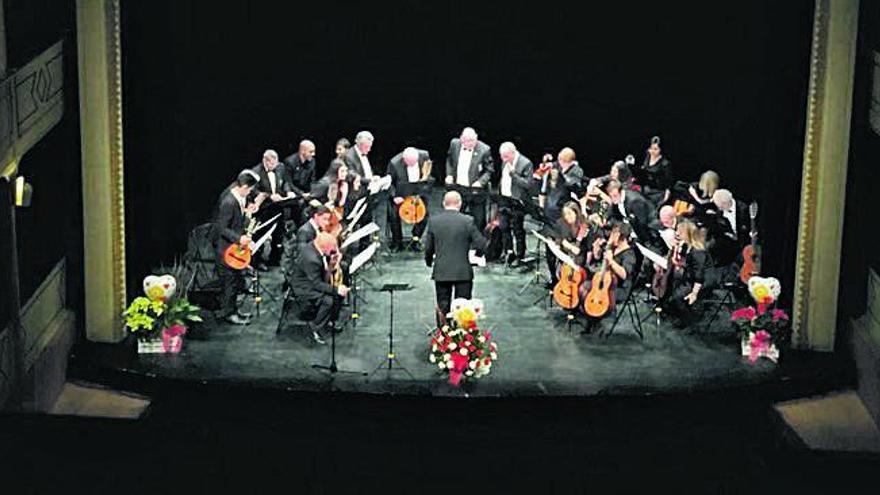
x: 332, y: 368
x: 390, y: 358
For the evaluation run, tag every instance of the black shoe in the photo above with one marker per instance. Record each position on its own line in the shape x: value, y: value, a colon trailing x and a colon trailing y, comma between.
x: 317, y: 338
x: 235, y: 319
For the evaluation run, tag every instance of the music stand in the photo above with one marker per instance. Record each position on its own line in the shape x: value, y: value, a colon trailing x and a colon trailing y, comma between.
x: 332, y: 368
x: 358, y: 261
x: 390, y: 358
x: 546, y: 224
x: 257, y: 287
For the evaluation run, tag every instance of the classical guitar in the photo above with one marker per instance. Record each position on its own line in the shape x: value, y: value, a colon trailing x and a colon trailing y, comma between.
x: 237, y: 256
x: 566, y: 292
x: 751, y: 253
x: 598, y: 300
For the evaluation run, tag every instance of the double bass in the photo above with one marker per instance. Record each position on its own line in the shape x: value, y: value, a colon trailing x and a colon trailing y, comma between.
x: 413, y: 209
x: 751, y: 253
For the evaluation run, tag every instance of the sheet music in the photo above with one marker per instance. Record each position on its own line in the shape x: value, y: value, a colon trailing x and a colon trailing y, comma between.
x: 476, y: 260
x: 651, y: 255
x: 267, y: 223
x: 668, y: 235
x: 380, y: 185
x: 359, y: 234
x: 559, y: 253
x: 357, y: 205
x: 257, y: 245
x: 362, y: 257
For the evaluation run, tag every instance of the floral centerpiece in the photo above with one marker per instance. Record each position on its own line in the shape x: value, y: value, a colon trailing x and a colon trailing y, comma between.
x: 459, y: 348
x: 763, y: 328
x: 159, y: 319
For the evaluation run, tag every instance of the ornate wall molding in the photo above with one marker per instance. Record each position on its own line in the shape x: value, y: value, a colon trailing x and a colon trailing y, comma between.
x: 117, y: 172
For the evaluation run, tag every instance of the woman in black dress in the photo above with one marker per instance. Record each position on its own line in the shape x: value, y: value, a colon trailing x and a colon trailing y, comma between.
x: 571, y: 231
x: 688, y: 275
x: 655, y: 174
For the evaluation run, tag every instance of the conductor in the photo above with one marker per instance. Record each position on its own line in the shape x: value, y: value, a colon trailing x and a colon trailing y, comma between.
x: 451, y: 234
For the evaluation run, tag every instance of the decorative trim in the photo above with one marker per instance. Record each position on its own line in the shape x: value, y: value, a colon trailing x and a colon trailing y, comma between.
x: 806, y: 232
x: 117, y: 172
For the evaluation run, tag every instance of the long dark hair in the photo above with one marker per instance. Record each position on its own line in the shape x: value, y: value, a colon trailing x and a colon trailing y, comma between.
x: 333, y: 169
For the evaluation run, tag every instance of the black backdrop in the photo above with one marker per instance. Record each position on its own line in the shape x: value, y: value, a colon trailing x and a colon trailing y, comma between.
x: 208, y: 88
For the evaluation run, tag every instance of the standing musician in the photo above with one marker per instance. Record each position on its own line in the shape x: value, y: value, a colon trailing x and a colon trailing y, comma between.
x: 411, y: 166
x: 230, y: 219
x: 688, y: 264
x: 571, y: 231
x: 620, y: 260
x: 727, y: 225
x: 469, y: 164
x: 299, y: 172
x: 358, y: 161
x: 515, y: 182
x: 274, y: 187
x: 450, y: 236
x: 315, y: 281
x: 655, y: 174
x: 557, y: 187
x: 702, y: 191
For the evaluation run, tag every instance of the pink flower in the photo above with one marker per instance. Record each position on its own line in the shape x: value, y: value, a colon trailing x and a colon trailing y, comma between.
x: 762, y: 308
x: 459, y: 365
x: 758, y: 345
x: 779, y: 314
x: 743, y: 314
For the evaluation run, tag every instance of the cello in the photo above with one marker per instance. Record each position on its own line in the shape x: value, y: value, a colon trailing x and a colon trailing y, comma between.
x: 413, y: 209
x: 751, y: 253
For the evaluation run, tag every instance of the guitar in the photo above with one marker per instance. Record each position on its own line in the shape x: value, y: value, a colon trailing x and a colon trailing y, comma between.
x: 751, y: 253
x: 237, y: 256
x: 413, y: 209
x: 566, y: 291
x: 598, y: 300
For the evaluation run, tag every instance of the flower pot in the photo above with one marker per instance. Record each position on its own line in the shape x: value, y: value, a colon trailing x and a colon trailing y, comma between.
x: 171, y: 342
x: 755, y: 346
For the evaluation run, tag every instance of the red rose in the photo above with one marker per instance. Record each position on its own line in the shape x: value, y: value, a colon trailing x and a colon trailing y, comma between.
x: 479, y: 352
x: 469, y: 337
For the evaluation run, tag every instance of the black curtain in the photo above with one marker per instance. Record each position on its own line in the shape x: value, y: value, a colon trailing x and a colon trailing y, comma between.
x: 208, y: 88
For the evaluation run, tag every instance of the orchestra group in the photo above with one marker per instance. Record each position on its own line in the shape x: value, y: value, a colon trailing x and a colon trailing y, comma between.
x: 598, y: 222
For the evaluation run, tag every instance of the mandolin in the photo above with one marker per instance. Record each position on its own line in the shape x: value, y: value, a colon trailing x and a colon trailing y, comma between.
x: 598, y: 300
x: 751, y: 253
x: 413, y: 209
x: 566, y: 292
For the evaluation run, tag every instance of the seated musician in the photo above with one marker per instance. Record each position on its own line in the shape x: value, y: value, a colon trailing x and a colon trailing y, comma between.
x: 318, y: 222
x: 272, y: 188
x: 687, y: 279
x: 620, y: 172
x: 631, y: 207
x: 701, y: 192
x: 337, y: 189
x: 619, y: 258
x: 411, y: 166
x: 655, y: 174
x: 515, y: 182
x: 342, y: 147
x: 666, y: 232
x: 570, y: 232
x: 317, y: 297
x: 230, y: 223
x: 727, y: 228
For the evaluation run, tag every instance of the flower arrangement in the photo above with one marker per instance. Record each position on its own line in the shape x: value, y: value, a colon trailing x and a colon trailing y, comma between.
x: 461, y: 349
x: 762, y: 327
x: 160, y: 314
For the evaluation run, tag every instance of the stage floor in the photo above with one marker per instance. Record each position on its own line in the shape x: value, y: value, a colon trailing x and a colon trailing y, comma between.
x: 539, y: 356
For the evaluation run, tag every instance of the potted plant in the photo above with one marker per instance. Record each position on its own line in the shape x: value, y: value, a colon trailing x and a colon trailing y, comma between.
x: 763, y: 328
x: 159, y: 320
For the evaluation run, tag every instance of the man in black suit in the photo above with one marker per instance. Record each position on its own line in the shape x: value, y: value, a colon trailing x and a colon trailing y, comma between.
x: 405, y: 169
x: 469, y: 164
x: 631, y: 207
x: 565, y: 177
x: 318, y: 300
x: 299, y: 174
x: 229, y: 228
x: 358, y: 161
x: 450, y: 236
x: 728, y: 224
x: 272, y: 189
x: 515, y: 182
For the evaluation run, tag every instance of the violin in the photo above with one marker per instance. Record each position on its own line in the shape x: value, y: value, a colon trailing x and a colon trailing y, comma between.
x: 545, y: 166
x: 751, y: 253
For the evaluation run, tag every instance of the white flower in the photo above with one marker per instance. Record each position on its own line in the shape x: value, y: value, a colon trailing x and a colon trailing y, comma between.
x: 434, y: 348
x: 463, y: 351
x: 447, y: 356
x: 493, y: 355
x: 432, y: 358
x: 481, y: 339
x: 473, y: 364
x: 452, y: 346
x: 441, y: 366
x: 449, y: 364
x: 469, y: 373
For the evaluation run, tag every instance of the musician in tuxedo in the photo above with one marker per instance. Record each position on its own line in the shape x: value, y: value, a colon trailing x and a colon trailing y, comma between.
x: 565, y: 177
x: 727, y: 223
x: 451, y: 234
x: 469, y: 164
x: 630, y: 206
x: 230, y: 223
x: 358, y: 161
x: 272, y: 188
x: 515, y: 182
x: 318, y: 222
x: 299, y: 174
x: 318, y: 300
x: 405, y: 169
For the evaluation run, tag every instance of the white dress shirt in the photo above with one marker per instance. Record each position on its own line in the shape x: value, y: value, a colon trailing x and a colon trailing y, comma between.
x: 507, y: 177
x: 730, y: 215
x: 241, y: 199
x: 412, y: 172
x: 464, y: 167
x: 365, y: 163
x: 620, y: 206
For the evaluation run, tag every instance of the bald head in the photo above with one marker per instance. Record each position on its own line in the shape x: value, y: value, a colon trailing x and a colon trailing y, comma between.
x: 452, y: 200
x: 306, y: 150
x: 326, y: 243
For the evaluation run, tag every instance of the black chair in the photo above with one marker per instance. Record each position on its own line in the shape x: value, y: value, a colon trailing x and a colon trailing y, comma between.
x: 290, y: 313
x: 630, y: 303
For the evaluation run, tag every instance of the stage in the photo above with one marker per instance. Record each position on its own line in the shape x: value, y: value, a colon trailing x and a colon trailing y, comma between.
x: 539, y: 354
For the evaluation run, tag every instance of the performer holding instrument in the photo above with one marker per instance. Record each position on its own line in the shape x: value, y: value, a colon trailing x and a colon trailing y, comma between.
x: 687, y: 275
x: 232, y: 241
x: 609, y: 264
x: 316, y: 282
x: 409, y: 169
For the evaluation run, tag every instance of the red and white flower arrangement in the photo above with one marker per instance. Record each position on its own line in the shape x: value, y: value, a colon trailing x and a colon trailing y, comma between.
x: 460, y: 349
x: 763, y: 328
